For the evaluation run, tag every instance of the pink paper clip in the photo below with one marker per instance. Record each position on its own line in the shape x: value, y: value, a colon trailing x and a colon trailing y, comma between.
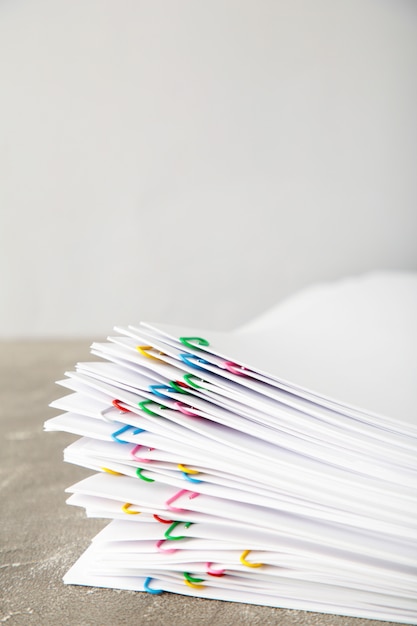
x: 239, y: 370
x: 193, y: 494
x: 136, y: 449
x: 214, y: 572
x: 160, y: 549
x: 184, y: 409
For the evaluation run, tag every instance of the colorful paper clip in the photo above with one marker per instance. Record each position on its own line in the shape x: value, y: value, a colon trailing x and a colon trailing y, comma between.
x: 179, y: 386
x: 168, y: 535
x: 214, y: 572
x: 144, y: 406
x: 146, y: 587
x: 121, y: 408
x: 126, y: 509
x: 193, y: 582
x: 239, y: 370
x: 190, y: 342
x: 188, y: 379
x: 186, y: 470
x: 144, y: 352
x: 137, y: 458
x: 159, y: 547
x: 163, y: 521
x: 190, y: 360
x: 196, y: 481
x: 109, y: 471
x: 155, y: 390
x: 139, y: 474
x: 124, y: 429
x: 245, y: 562
x: 184, y: 409
x: 186, y: 473
x: 181, y: 492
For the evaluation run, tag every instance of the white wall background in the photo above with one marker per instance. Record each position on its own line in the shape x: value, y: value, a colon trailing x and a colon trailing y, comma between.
x: 195, y: 161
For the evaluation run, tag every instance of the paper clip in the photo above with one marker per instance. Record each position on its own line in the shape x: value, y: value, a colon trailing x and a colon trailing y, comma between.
x: 124, y: 429
x: 191, y: 480
x: 154, y: 389
x: 163, y: 521
x: 155, y: 592
x: 144, y: 352
x: 126, y: 507
x: 168, y: 535
x: 191, y: 582
x: 104, y: 412
x: 109, y: 471
x: 190, y: 342
x: 189, y: 359
x: 239, y: 370
x: 184, y: 409
x: 121, y: 408
x: 214, y: 572
x: 140, y: 475
x: 245, y: 562
x: 160, y: 549
x: 136, y: 449
x: 193, y: 494
x: 188, y: 377
x: 144, y: 406
x: 185, y: 471
x: 178, y: 385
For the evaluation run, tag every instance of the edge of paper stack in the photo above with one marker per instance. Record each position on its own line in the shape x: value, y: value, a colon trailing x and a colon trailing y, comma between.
x: 272, y: 465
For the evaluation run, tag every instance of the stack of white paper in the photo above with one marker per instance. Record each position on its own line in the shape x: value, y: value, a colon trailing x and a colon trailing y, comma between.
x: 272, y: 465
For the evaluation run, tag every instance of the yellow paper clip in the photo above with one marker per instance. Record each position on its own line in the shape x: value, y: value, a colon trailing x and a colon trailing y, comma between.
x: 245, y: 562
x: 109, y: 471
x: 144, y: 352
x: 186, y: 470
x: 126, y: 507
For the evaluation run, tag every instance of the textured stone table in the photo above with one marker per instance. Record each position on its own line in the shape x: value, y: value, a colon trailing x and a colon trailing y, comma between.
x: 40, y: 536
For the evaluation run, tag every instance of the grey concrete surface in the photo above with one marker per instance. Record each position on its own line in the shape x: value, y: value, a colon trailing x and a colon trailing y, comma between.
x: 40, y: 536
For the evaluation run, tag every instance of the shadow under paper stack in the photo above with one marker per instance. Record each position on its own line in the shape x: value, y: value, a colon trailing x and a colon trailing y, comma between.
x: 272, y: 465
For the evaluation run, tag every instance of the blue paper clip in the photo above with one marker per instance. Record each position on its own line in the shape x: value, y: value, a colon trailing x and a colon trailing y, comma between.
x: 185, y: 471
x: 189, y: 359
x: 155, y: 592
x: 191, y: 480
x: 154, y: 389
x: 116, y: 434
